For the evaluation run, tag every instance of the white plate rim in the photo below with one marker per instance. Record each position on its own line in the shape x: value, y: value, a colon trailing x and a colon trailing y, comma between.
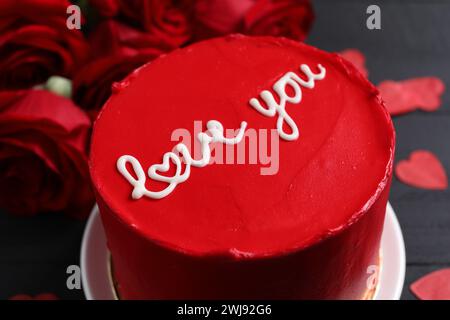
x: 98, y: 285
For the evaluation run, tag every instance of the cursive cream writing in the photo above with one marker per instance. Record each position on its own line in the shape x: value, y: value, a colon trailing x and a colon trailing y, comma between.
x: 216, y: 132
x: 273, y: 107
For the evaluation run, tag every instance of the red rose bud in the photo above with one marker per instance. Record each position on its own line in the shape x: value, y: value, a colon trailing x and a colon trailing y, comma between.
x: 43, y: 154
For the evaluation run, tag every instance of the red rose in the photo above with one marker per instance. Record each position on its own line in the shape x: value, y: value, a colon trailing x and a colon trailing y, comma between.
x: 43, y: 160
x: 168, y: 20
x: 35, y: 42
x: 288, y: 18
x: 220, y: 17
x: 105, y: 8
x: 119, y: 50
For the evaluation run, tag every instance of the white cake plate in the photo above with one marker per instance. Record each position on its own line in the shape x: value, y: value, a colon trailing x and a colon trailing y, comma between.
x: 98, y: 285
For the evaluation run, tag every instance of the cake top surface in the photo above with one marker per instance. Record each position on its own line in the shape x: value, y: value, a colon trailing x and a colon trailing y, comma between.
x: 267, y: 188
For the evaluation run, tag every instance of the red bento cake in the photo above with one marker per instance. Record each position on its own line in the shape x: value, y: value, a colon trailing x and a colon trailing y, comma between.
x: 182, y: 225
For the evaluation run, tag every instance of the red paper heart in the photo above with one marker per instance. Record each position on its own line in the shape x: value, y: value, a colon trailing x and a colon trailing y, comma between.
x: 41, y: 296
x: 357, y: 58
x: 422, y: 170
x: 409, y: 95
x: 433, y: 286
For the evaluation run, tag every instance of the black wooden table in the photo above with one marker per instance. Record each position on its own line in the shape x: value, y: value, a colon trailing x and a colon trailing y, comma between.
x: 414, y: 41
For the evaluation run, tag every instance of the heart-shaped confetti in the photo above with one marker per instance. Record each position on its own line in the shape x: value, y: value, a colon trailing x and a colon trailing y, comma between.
x: 41, y: 296
x: 357, y: 58
x: 412, y: 94
x: 422, y: 170
x: 433, y: 286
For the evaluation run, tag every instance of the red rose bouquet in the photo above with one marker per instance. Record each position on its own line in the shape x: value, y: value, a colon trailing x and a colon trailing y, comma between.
x: 54, y: 79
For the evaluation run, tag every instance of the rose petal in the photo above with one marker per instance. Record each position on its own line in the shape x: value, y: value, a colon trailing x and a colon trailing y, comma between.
x: 26, y: 8
x: 41, y: 105
x: 41, y: 296
x: 433, y: 286
x: 21, y: 296
x: 50, y: 172
x: 35, y: 43
x: 105, y: 8
x: 357, y: 58
x: 110, y: 38
x: 44, y: 38
x: 221, y: 17
x: 46, y: 296
x: 8, y: 98
x: 422, y: 170
x: 120, y: 50
x: 409, y: 95
x: 34, y: 144
x: 290, y: 18
x: 166, y: 20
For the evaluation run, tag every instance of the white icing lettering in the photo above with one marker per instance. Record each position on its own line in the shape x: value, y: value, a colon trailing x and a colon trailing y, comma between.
x: 216, y: 132
x: 181, y: 153
x: 273, y: 108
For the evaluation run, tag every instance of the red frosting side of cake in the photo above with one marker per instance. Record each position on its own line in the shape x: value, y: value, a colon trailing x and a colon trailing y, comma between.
x: 309, y: 231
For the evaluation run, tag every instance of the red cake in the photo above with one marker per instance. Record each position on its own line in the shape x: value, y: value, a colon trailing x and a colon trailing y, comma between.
x: 301, y: 219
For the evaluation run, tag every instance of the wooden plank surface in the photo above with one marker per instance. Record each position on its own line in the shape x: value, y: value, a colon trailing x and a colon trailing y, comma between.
x: 413, y: 42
